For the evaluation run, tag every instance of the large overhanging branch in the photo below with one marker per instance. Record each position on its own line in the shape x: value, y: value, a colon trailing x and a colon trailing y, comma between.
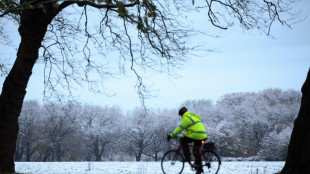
x: 108, y: 5
x: 28, y: 5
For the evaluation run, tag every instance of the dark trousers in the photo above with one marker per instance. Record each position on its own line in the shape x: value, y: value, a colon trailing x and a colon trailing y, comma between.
x: 197, y: 143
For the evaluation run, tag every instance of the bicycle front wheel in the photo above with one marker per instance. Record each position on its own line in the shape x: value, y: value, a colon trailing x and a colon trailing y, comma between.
x: 211, y: 162
x: 172, y: 162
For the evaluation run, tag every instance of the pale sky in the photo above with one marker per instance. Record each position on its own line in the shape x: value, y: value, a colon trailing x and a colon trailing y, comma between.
x: 246, y: 62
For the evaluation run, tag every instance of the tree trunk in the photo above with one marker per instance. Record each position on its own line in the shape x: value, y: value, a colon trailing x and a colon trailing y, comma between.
x: 58, y: 152
x: 156, y: 156
x: 101, y: 151
x: 298, y: 157
x: 96, y: 149
x: 46, y: 155
x: 19, y: 149
x: 28, y: 154
x: 32, y: 29
x: 138, y: 155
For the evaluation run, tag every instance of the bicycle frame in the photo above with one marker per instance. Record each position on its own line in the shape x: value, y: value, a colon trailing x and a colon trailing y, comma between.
x: 195, y: 155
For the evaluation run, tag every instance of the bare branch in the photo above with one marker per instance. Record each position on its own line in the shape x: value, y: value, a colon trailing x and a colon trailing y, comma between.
x: 212, y: 16
x: 144, y: 34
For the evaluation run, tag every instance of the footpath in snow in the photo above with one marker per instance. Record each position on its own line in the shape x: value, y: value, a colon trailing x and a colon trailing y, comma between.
x: 137, y: 168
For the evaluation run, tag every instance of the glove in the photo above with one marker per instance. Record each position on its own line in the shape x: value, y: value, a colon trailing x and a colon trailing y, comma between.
x: 168, y: 137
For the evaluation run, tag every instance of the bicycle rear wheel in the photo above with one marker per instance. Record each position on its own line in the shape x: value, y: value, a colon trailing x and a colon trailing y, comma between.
x: 211, y: 162
x: 172, y: 162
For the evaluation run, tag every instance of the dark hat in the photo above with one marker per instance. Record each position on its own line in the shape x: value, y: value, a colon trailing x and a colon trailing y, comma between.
x: 182, y: 111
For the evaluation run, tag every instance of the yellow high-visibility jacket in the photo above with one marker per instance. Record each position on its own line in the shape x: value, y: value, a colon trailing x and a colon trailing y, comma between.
x: 193, y: 126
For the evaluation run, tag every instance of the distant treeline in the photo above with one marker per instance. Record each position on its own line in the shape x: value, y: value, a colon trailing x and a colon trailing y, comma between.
x: 241, y: 124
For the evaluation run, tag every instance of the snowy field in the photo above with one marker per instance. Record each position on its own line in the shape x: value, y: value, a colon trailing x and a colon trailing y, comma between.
x: 137, y: 168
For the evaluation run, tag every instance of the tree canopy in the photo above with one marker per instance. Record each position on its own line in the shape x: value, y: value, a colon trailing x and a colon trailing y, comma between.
x: 84, y: 37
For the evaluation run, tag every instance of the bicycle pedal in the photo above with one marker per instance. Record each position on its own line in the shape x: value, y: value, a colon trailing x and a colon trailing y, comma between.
x: 208, y: 165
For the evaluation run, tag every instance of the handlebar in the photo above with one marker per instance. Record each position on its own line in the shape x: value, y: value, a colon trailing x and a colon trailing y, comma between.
x: 178, y: 138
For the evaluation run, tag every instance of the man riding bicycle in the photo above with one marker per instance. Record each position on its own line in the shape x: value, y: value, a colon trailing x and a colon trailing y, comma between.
x: 194, y: 132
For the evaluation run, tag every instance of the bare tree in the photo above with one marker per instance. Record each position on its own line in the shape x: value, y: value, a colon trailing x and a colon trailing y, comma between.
x: 147, y: 34
x: 60, y: 125
x: 139, y: 136
x: 27, y: 138
x: 99, y: 128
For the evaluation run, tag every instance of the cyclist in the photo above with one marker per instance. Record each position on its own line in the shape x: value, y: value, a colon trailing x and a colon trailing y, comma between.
x: 194, y: 132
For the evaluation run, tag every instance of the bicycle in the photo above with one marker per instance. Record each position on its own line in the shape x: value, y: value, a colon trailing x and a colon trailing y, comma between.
x: 173, y: 161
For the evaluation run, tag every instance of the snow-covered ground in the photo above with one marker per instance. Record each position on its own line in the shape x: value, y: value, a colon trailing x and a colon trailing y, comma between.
x: 137, y: 168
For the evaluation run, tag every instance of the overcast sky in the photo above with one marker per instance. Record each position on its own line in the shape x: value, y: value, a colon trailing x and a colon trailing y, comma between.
x: 246, y: 62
